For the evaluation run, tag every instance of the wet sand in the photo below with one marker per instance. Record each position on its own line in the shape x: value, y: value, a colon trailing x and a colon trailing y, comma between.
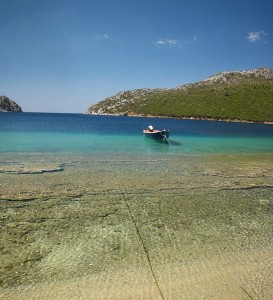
x: 180, y: 227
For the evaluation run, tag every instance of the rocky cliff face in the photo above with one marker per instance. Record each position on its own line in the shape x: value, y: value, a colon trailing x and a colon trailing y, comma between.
x: 7, y: 105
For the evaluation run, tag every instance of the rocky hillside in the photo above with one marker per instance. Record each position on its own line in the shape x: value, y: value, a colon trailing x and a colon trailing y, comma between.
x: 242, y: 95
x: 7, y: 105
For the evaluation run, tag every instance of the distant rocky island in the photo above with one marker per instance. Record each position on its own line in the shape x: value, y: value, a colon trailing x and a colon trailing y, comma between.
x: 230, y: 96
x: 8, y: 105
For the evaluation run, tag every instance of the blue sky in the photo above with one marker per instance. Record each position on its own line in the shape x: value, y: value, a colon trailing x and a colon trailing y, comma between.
x: 64, y: 55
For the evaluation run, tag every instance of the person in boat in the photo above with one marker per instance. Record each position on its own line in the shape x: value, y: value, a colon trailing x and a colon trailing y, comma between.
x: 151, y: 128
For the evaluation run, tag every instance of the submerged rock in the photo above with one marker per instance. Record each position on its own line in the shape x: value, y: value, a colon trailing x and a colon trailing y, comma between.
x: 8, y: 105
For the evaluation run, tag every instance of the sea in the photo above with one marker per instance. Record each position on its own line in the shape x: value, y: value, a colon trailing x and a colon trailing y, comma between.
x: 72, y: 133
x: 91, y: 209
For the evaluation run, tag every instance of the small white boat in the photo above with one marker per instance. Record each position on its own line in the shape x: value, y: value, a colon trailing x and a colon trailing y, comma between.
x: 152, y: 133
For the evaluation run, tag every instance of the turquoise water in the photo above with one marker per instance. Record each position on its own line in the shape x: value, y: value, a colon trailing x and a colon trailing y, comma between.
x: 88, y: 200
x: 71, y: 133
x: 94, y: 143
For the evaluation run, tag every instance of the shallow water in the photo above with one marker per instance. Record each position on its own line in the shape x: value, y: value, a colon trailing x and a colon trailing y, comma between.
x: 152, y: 224
x: 68, y: 217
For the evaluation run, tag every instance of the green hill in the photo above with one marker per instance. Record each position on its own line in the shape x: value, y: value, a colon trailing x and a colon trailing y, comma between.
x: 245, y: 95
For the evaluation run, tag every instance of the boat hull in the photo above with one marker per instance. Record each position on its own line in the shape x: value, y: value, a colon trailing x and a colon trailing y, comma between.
x: 161, y: 135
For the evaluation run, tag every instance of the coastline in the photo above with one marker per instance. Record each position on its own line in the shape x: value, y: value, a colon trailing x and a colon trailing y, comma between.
x: 228, y: 120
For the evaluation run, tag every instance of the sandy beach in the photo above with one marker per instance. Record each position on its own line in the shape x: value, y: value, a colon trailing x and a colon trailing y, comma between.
x: 246, y: 276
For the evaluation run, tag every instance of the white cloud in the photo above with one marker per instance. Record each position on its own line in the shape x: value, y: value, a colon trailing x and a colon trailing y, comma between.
x: 256, y: 36
x: 175, y: 42
x: 160, y: 42
x: 168, y: 42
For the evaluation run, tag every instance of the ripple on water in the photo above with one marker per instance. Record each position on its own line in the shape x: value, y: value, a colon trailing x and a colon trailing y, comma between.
x: 85, y: 223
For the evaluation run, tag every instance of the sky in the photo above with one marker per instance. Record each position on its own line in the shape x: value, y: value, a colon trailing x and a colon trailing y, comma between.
x: 65, y: 55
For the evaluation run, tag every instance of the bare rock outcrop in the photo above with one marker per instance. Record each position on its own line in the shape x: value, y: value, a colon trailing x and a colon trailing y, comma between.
x: 8, y: 105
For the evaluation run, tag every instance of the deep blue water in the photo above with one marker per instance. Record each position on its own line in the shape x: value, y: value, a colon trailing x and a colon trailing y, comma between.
x: 43, y: 133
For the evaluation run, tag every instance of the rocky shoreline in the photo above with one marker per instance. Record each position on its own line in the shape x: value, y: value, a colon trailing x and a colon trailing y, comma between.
x: 128, y: 114
x: 101, y: 228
